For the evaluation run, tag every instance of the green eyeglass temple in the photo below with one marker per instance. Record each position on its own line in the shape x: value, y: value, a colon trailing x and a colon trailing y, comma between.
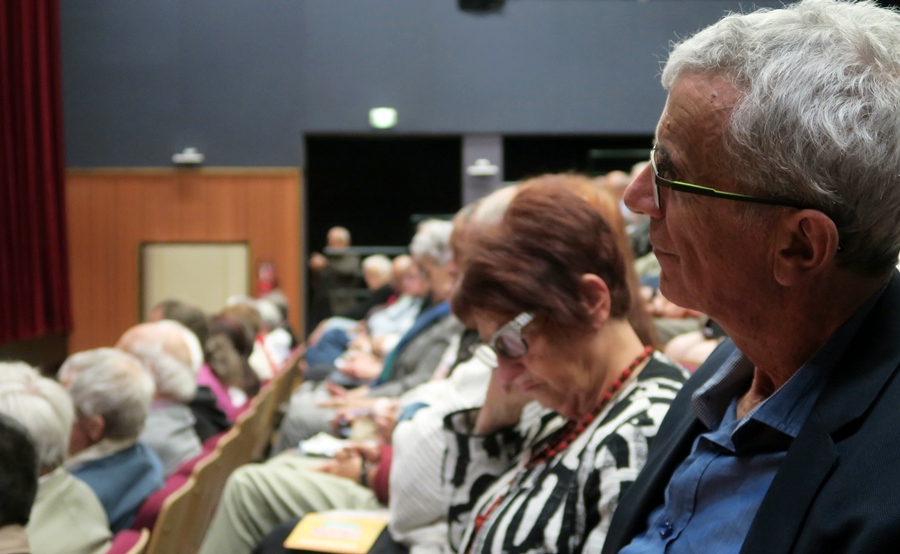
x: 707, y: 191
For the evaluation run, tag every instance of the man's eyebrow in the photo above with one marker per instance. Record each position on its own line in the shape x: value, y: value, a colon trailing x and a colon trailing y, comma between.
x: 664, y: 156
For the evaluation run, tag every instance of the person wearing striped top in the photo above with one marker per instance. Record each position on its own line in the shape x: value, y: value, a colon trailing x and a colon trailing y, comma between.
x: 548, y: 290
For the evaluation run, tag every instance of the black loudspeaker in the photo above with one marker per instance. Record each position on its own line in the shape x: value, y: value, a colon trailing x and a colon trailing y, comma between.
x: 481, y: 5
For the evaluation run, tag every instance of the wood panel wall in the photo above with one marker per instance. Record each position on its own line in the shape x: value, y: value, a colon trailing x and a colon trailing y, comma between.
x: 111, y: 212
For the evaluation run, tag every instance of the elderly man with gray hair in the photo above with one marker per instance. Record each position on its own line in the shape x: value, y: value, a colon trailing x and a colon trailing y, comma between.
x: 66, y: 517
x: 172, y: 355
x: 112, y: 393
x: 773, y: 196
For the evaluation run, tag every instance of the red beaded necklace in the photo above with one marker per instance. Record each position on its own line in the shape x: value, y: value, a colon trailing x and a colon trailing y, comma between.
x: 566, y: 434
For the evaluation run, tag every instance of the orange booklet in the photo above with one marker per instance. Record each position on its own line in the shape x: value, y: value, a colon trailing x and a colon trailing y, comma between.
x: 340, y: 531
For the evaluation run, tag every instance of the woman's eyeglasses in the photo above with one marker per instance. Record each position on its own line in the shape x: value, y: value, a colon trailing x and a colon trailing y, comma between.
x: 507, y: 341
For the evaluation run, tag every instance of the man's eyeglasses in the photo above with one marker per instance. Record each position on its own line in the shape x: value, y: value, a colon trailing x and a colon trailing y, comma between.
x: 707, y: 191
x: 507, y: 341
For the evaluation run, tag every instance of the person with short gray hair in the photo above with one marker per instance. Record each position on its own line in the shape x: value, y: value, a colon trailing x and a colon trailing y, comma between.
x: 173, y: 356
x: 773, y: 195
x: 112, y: 393
x: 66, y: 517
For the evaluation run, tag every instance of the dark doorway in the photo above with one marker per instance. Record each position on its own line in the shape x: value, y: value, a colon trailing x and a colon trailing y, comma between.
x: 378, y: 187
x: 530, y: 156
x: 373, y: 186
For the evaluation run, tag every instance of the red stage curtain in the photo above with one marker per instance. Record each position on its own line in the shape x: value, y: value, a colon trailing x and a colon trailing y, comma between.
x: 34, y: 290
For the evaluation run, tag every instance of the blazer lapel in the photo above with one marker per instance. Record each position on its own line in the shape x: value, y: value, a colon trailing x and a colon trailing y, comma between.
x: 870, y: 361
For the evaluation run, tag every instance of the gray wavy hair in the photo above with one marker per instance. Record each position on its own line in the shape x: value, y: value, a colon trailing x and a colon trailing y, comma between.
x: 42, y: 406
x: 432, y: 240
x: 818, y: 117
x: 112, y: 384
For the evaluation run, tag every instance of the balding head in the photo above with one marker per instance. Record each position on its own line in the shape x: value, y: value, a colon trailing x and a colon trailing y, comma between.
x: 171, y: 352
x: 338, y: 237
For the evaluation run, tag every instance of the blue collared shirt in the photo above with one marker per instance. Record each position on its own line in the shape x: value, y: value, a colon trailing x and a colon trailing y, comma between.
x: 714, y: 494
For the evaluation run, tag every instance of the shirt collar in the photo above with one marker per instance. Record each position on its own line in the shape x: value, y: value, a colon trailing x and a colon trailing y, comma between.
x: 787, y: 409
x: 99, y: 450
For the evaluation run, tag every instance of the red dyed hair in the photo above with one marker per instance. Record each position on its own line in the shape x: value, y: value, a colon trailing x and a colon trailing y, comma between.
x: 533, y: 261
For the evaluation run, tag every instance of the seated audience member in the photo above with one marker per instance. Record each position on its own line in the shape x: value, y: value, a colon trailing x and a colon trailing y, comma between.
x: 259, y: 496
x: 378, y: 334
x: 377, y: 273
x: 276, y: 339
x: 410, y: 363
x: 384, y: 327
x: 280, y: 301
x: 773, y: 195
x: 419, y: 517
x: 209, y: 419
x: 261, y: 362
x: 112, y: 393
x: 66, y: 517
x: 418, y: 501
x: 227, y: 353
x: 548, y: 290
x: 418, y: 510
x: 172, y: 355
x: 399, y: 269
x: 18, y: 485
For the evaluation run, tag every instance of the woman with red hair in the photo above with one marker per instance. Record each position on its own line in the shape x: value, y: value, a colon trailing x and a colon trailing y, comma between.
x: 549, y: 291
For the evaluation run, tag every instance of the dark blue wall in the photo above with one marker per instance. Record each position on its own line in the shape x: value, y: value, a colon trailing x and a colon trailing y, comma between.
x: 244, y: 80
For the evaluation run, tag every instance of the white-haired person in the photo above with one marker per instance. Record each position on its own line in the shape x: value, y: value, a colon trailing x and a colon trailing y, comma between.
x: 773, y: 196
x: 67, y: 517
x: 276, y: 340
x: 340, y: 338
x: 258, y: 497
x: 172, y: 355
x: 411, y: 362
x: 112, y: 393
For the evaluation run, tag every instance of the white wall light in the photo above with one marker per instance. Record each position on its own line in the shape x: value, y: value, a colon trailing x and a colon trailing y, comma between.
x: 382, y: 118
x: 188, y: 156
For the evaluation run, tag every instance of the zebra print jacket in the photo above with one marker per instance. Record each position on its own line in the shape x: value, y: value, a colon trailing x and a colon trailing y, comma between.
x: 563, y: 504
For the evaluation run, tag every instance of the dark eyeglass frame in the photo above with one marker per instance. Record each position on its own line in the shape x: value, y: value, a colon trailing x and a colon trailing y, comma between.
x: 512, y: 330
x: 700, y: 190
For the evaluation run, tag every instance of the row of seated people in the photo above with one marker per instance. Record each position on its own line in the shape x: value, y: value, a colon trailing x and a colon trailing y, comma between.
x: 144, y: 409
x: 468, y: 450
x: 117, y: 422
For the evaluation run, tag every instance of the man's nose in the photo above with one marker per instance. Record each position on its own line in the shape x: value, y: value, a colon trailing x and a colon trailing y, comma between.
x: 639, y: 195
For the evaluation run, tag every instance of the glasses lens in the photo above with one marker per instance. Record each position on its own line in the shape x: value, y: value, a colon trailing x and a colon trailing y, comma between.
x: 510, y: 344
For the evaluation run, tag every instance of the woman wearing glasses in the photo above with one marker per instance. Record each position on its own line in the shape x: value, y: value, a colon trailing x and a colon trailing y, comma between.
x: 548, y: 291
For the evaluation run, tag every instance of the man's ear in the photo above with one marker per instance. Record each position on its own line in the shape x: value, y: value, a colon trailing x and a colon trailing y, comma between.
x: 595, y: 296
x: 95, y: 428
x: 806, y: 243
